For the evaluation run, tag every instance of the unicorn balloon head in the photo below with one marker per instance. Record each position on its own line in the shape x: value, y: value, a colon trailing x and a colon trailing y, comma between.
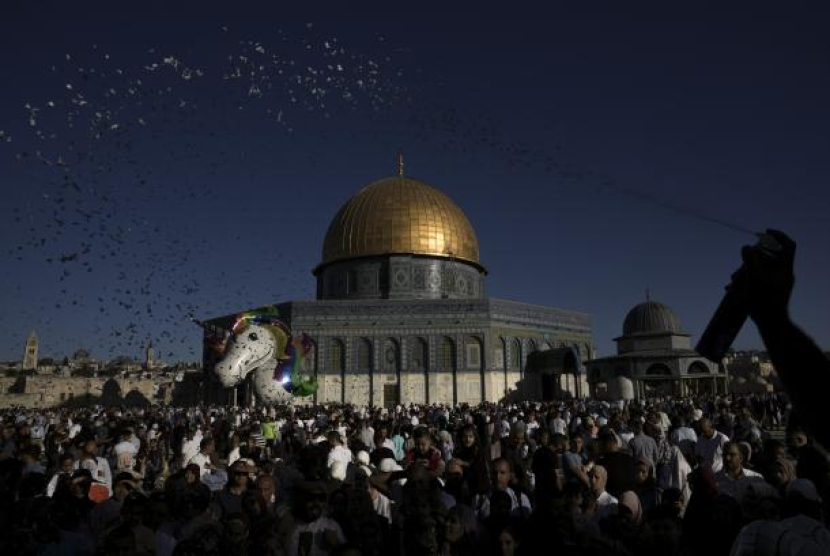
x: 263, y: 345
x: 247, y: 350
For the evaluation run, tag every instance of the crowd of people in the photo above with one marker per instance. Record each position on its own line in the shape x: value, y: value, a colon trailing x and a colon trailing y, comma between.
x: 663, y: 477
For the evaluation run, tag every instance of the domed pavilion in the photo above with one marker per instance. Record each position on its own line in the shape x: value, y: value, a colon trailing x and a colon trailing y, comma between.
x: 654, y: 358
x: 401, y: 314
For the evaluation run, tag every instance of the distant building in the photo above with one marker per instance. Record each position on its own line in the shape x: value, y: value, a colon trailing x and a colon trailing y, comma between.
x: 654, y: 358
x: 30, y: 355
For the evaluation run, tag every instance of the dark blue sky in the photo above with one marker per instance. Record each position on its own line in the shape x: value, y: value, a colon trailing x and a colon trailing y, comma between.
x: 204, y: 184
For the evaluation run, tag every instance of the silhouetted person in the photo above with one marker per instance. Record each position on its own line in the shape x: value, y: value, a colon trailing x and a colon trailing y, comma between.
x: 802, y: 367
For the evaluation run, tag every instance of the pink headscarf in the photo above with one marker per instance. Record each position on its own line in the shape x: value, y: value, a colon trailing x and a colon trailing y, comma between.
x: 631, y: 501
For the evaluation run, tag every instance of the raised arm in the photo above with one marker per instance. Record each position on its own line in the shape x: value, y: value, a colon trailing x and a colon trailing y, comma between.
x: 803, y: 368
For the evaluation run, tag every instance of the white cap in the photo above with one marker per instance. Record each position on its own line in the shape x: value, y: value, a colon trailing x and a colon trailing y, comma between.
x: 388, y: 465
x: 363, y: 457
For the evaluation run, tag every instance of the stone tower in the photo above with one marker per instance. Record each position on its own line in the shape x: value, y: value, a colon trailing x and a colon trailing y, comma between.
x: 30, y: 356
x: 149, y: 359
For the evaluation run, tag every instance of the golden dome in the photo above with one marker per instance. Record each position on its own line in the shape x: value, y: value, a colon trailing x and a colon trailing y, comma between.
x: 399, y: 215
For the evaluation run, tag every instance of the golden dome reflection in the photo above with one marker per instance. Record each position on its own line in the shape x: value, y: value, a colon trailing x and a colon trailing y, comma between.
x: 399, y: 215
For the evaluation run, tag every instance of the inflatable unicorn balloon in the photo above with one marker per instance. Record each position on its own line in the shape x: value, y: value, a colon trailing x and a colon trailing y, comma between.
x: 263, y: 345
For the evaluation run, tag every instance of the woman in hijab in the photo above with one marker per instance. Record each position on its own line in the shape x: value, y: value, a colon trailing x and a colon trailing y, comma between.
x: 675, y: 474
x: 646, y: 488
x: 630, y: 505
x: 469, y: 455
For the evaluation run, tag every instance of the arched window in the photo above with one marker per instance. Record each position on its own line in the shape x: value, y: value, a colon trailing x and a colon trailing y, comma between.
x: 473, y: 349
x: 310, y: 359
x: 658, y: 369
x: 420, y: 355
x: 447, y: 354
x: 391, y: 355
x: 337, y: 356
x: 531, y: 348
x: 499, y: 359
x: 698, y: 367
x: 516, y: 355
x: 364, y: 354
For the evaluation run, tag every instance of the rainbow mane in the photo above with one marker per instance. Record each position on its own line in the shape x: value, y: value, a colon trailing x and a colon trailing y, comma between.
x: 291, y: 350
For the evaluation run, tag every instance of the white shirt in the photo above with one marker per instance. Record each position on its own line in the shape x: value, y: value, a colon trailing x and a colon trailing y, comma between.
x: 203, y: 461
x: 383, y: 506
x: 711, y: 450
x: 518, y: 504
x: 339, y: 453
x: 317, y: 529
x: 100, y: 470
x: 559, y: 425
x: 233, y: 456
x: 682, y: 435
x: 189, y: 449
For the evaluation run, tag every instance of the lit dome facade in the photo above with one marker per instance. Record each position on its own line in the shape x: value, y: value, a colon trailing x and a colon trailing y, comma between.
x: 400, y: 238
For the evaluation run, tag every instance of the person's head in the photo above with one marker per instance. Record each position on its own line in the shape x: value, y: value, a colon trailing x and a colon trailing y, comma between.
x: 66, y: 462
x: 781, y: 471
x: 502, y: 474
x: 797, y: 438
x: 192, y: 474
x: 460, y: 523
x: 608, y: 442
x: 707, y: 428
x: 468, y: 436
x: 124, y: 484
x: 599, y: 478
x: 577, y: 444
x: 423, y: 440
x: 80, y: 483
x: 309, y: 500
x: 267, y: 485
x: 644, y: 471
x: 206, y: 446
x: 559, y: 442
x: 334, y: 439
x: 733, y: 458
x: 508, y: 541
x: 543, y: 437
x: 774, y: 449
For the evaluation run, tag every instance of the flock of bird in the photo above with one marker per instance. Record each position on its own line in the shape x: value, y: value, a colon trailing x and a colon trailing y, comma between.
x: 104, y: 147
x: 123, y: 145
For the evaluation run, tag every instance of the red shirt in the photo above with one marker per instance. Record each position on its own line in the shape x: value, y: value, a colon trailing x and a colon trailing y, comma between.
x: 432, y: 457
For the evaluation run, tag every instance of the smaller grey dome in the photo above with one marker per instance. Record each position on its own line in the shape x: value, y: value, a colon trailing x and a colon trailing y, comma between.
x: 650, y: 318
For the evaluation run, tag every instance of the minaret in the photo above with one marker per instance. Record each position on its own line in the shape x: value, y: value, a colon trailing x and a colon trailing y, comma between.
x: 30, y: 356
x: 148, y: 360
x: 399, y: 164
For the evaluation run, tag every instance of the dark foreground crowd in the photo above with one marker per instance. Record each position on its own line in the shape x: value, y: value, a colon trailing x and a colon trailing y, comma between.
x: 664, y: 477
x: 690, y: 477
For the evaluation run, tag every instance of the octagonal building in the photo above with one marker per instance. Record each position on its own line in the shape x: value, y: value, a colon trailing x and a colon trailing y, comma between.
x: 401, y: 313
